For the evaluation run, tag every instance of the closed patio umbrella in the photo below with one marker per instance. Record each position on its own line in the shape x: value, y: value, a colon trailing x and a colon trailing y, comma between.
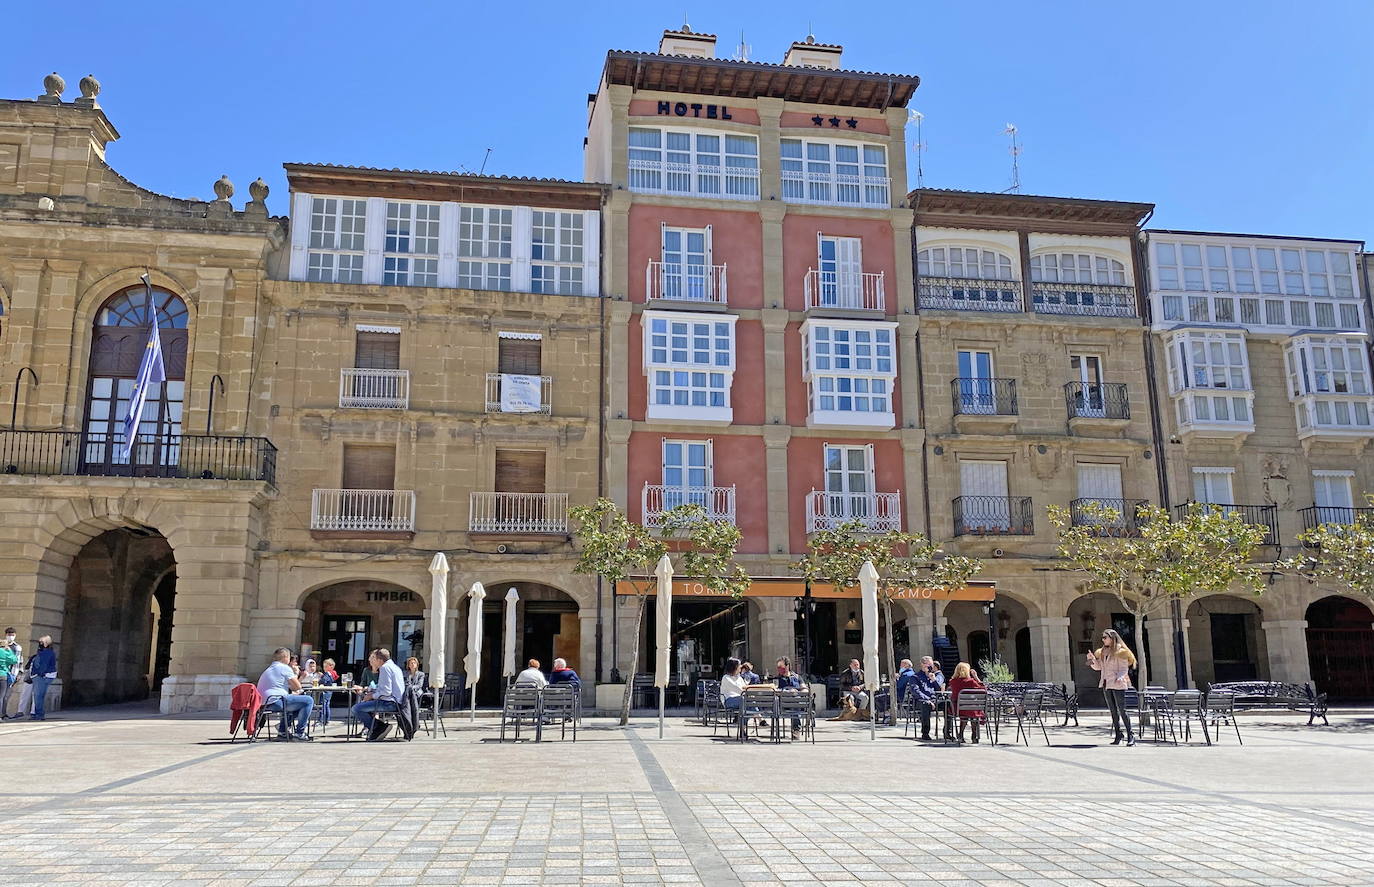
x: 664, y: 612
x: 472, y: 663
x: 508, y: 669
x: 435, y: 632
x: 868, y: 591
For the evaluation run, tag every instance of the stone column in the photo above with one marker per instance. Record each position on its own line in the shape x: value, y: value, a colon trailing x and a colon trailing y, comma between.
x: 53, y: 351
x: 1287, y: 643
x: 775, y: 438
x: 777, y: 632
x: 1163, y: 668
x: 1050, y: 654
x: 25, y: 297
x: 270, y: 629
x: 206, y: 348
x: 586, y: 651
x: 617, y: 461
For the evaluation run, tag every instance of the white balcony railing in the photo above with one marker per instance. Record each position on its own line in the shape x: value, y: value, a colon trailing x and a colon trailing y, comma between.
x: 657, y: 500
x: 836, y: 289
x: 363, y: 511
x: 518, y: 513
x: 879, y: 512
x: 511, y: 393
x: 694, y: 179
x: 677, y: 282
x: 833, y: 189
x: 374, y: 389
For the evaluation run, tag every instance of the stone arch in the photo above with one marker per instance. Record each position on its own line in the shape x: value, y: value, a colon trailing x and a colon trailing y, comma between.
x: 1226, y: 640
x: 346, y: 618
x: 1340, y: 646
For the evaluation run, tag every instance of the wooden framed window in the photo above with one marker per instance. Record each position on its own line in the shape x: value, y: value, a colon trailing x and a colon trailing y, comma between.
x: 519, y: 357
x: 367, y: 467
x: 377, y: 351
x: 519, y: 471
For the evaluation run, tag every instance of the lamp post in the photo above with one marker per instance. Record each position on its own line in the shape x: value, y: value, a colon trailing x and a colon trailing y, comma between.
x: 805, y: 607
x: 991, y: 609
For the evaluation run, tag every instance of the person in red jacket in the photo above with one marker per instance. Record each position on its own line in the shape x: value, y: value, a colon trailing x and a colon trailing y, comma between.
x: 965, y: 678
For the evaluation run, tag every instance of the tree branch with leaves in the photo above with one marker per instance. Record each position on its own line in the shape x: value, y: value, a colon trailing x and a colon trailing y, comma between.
x: 1341, y: 553
x: 1208, y: 550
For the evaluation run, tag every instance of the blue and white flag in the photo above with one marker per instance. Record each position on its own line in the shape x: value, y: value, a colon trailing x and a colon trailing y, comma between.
x: 151, y: 371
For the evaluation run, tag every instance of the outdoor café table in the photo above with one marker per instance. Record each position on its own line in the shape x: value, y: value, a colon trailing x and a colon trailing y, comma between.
x: 320, y: 693
x: 941, y: 714
x: 1155, y: 701
x: 1002, y: 706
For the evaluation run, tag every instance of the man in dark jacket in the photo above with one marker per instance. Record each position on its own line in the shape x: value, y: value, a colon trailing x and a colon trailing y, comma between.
x: 561, y: 674
x: 44, y: 671
x: 926, y: 683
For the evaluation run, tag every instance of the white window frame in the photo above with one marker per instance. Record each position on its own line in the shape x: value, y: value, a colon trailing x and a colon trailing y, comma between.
x: 687, y: 491
x: 485, y: 243
x: 1326, y: 477
x: 1205, y: 474
x: 693, y: 170
x: 850, y: 370
x: 808, y: 177
x: 1060, y: 266
x: 557, y: 266
x: 410, y: 251
x: 691, y: 383
x: 1210, y: 393
x: 965, y: 263
x: 333, y: 239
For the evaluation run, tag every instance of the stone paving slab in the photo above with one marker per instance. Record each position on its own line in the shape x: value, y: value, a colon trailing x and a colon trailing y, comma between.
x: 145, y: 801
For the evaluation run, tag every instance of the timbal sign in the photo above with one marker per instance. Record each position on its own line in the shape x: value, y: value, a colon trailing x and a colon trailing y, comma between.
x: 391, y: 596
x: 690, y: 588
x: 696, y: 109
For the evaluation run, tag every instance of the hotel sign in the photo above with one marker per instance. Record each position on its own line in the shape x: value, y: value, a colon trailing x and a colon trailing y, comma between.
x: 694, y: 109
x: 691, y: 588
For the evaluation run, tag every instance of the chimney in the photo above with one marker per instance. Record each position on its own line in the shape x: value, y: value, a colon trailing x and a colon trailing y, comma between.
x: 810, y: 54
x: 685, y: 42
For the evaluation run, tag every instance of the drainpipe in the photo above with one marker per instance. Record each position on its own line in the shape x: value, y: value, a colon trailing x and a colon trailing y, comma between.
x: 601, y: 425
x: 1157, y: 433
x: 921, y: 408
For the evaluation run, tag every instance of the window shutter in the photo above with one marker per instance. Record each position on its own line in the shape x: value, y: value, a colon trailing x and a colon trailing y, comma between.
x: 369, y: 468
x: 519, y: 356
x: 519, y: 471
x: 377, y: 351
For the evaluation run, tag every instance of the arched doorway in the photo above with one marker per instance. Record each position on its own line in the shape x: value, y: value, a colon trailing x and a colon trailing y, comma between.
x: 117, y: 618
x: 967, y: 626
x: 117, y: 345
x: 1224, y: 640
x: 1089, y: 616
x: 1340, y: 647
x: 345, y: 621
x: 547, y: 628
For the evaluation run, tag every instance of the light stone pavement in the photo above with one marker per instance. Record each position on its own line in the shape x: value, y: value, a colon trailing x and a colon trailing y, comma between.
x: 116, y: 796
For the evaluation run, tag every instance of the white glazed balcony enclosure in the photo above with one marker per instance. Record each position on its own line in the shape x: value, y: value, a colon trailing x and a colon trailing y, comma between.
x: 658, y: 499
x: 854, y: 291
x: 363, y: 511
x: 518, y: 513
x: 878, y: 512
x: 372, y: 389
x: 685, y: 282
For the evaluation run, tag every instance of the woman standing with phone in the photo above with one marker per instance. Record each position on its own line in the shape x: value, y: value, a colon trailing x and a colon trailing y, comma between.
x: 1115, y: 660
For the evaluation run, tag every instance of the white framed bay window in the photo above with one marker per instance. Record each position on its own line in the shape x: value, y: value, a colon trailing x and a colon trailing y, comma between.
x: 1209, y: 380
x: 840, y: 173
x: 722, y: 165
x: 849, y: 368
x: 689, y: 361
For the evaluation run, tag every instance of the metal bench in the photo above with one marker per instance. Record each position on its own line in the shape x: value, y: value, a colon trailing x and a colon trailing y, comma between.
x: 1262, y: 695
x: 1056, y: 699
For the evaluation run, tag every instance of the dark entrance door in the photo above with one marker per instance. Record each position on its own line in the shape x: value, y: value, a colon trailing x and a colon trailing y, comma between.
x: 1231, y: 656
x: 345, y: 641
x: 1340, y: 648
x: 491, y: 684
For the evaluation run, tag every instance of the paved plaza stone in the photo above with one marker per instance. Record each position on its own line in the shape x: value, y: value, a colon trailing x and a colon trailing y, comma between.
x: 118, y: 796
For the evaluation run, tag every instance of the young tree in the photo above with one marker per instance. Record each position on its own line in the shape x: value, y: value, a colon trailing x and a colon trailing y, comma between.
x: 1342, y: 553
x: 1206, y: 551
x: 623, y: 551
x: 903, y: 560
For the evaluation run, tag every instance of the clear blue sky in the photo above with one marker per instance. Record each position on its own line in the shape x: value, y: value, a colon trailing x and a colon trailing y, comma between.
x: 1245, y: 115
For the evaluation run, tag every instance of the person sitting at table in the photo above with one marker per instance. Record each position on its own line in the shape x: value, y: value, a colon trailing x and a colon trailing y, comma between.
x: 532, y: 676
x: 368, y: 677
x: 732, y: 684
x: 853, y: 699
x: 746, y: 671
x: 280, y: 690
x: 386, y: 696
x: 329, y: 675
x: 310, y: 674
x: 965, y: 678
x: 561, y: 674
x: 786, y: 680
x: 905, y: 673
x: 925, y: 685
x: 414, y: 676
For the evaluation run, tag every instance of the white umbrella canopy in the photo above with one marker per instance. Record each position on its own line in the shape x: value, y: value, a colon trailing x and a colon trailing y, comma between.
x: 472, y: 662
x: 663, y: 612
x: 868, y: 592
x: 508, y: 659
x: 436, y: 634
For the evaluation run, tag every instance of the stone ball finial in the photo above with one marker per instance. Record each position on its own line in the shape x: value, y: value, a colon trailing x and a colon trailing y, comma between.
x: 54, y: 85
x: 90, y: 87
x: 257, y: 189
x: 224, y: 189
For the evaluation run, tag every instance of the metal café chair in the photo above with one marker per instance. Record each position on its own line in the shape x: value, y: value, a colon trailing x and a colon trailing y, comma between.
x: 1220, y: 708
x: 974, y: 705
x: 560, y: 707
x: 521, y: 706
x: 1031, y: 713
x: 797, y: 706
x: 1185, y: 706
x: 760, y: 701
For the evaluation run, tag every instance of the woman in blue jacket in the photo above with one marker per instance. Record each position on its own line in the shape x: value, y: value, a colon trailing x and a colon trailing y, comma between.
x: 44, y: 670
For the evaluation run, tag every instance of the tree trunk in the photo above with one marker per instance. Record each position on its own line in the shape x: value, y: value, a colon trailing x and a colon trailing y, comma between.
x: 1142, y: 669
x: 634, y: 663
x: 891, y: 664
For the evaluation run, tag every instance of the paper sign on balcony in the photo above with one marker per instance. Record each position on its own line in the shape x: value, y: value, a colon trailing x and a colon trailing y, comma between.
x: 521, y: 394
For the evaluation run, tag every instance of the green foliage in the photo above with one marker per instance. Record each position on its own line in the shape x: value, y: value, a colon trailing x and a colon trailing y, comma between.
x: 1343, y: 553
x: 995, y: 671
x: 614, y: 547
x: 710, y: 555
x: 903, y: 560
x: 1207, y: 550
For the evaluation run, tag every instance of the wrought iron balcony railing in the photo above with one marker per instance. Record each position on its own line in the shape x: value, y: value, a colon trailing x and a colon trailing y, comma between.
x: 657, y: 500
x: 878, y: 512
x: 518, y: 513
x: 961, y: 294
x: 1111, y: 517
x: 1083, y: 299
x: 1261, y: 515
x: 363, y: 511
x: 185, y: 456
x: 1316, y: 515
x: 984, y: 397
x: 993, y: 516
x: 1106, y: 400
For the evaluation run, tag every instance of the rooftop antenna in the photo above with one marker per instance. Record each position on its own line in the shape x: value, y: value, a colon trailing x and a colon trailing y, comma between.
x: 919, y: 146
x: 742, y: 51
x: 1015, y: 150
x: 484, y: 162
